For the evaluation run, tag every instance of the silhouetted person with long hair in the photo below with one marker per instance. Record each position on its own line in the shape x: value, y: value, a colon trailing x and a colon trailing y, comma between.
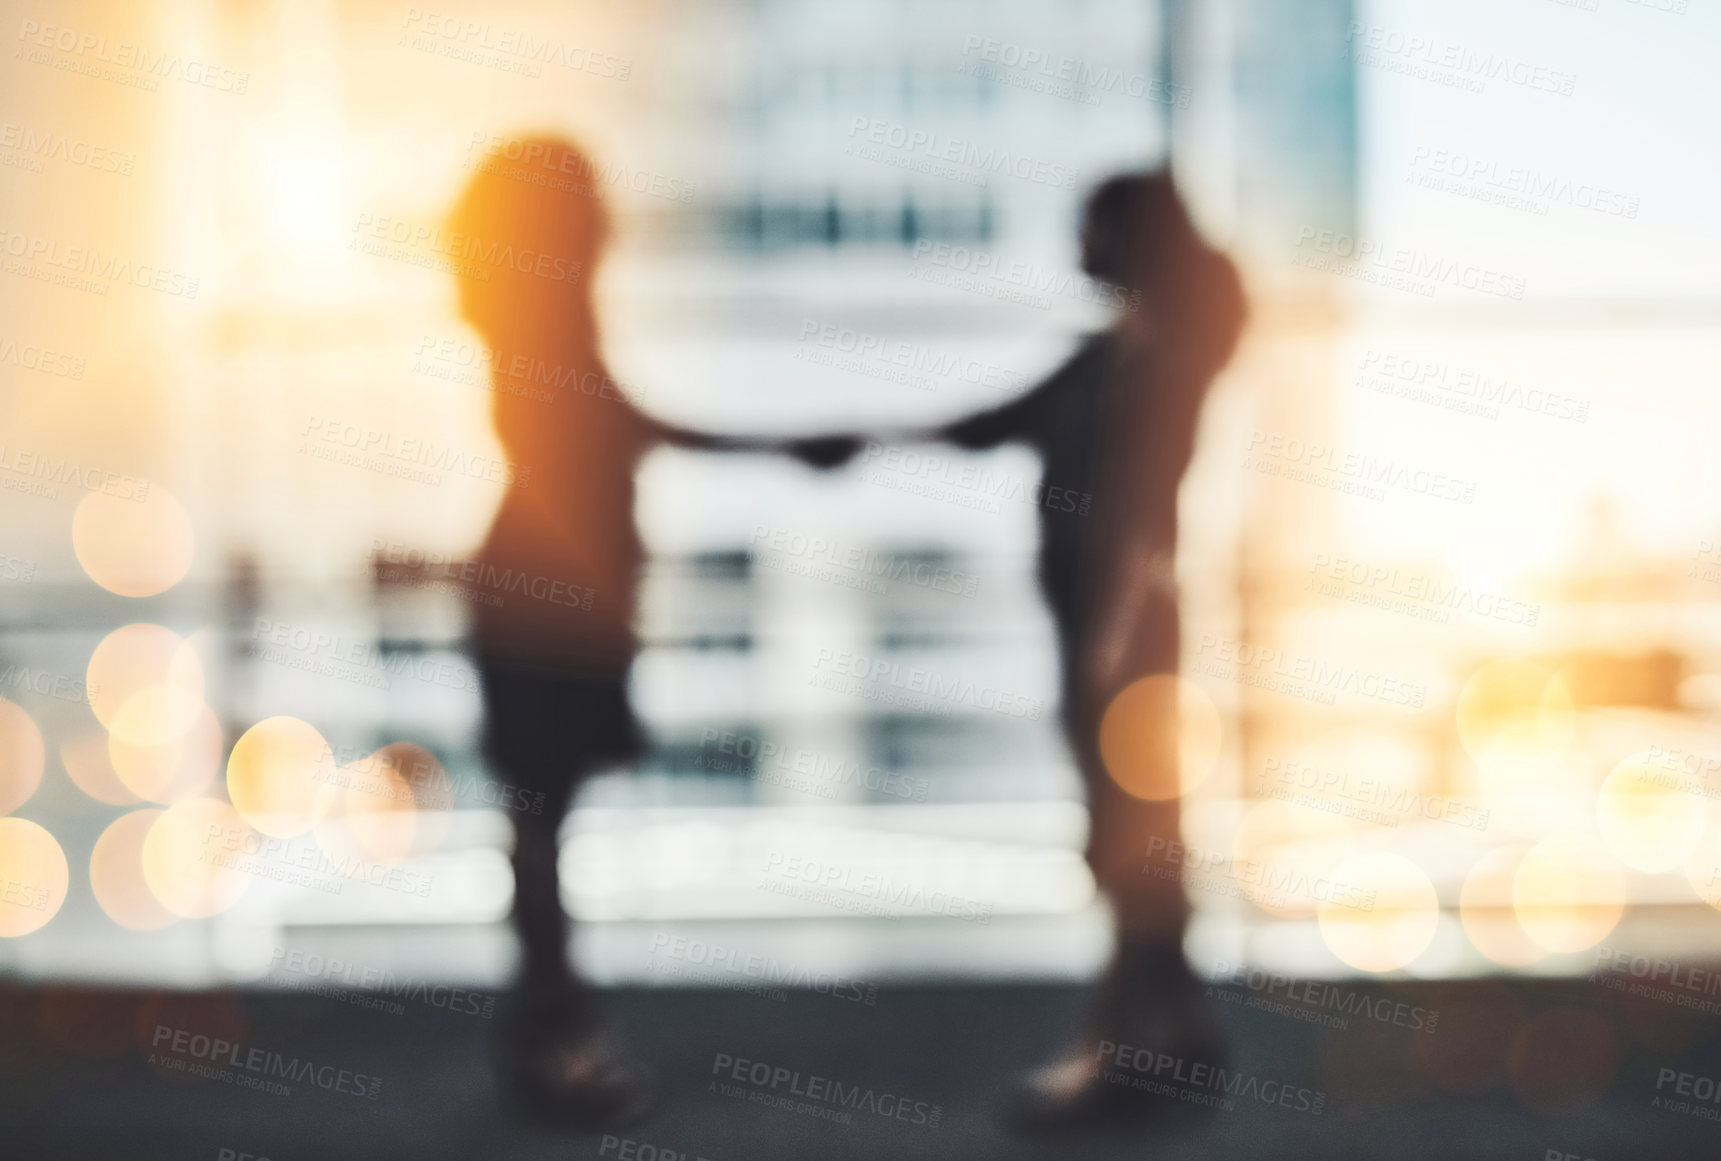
x: 1117, y: 423
x: 553, y: 651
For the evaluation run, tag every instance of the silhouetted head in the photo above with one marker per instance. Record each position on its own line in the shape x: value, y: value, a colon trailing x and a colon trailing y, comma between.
x: 527, y: 234
x: 1136, y: 234
x: 1133, y: 227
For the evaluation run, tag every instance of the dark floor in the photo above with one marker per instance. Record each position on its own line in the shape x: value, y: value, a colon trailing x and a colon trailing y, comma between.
x: 1520, y: 1070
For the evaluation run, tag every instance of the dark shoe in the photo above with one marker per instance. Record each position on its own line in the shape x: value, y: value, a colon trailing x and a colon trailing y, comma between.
x: 578, y: 1083
x: 1074, y: 1094
x: 1098, y: 1086
x: 1149, y: 1028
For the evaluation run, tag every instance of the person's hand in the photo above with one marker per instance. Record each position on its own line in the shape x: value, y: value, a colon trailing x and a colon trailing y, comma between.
x: 825, y: 451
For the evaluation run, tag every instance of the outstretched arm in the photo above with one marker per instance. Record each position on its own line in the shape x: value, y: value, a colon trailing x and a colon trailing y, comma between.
x: 1027, y: 415
x: 688, y: 439
x: 1014, y: 420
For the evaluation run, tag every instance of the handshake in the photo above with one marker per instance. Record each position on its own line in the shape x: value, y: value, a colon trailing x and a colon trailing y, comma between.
x: 825, y: 451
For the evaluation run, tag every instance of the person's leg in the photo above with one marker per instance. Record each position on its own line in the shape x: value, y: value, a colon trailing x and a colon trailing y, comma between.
x: 544, y: 734
x: 1129, y: 852
x: 1149, y: 908
x: 1131, y: 840
x: 1147, y: 997
x: 549, y: 990
x: 1148, y: 987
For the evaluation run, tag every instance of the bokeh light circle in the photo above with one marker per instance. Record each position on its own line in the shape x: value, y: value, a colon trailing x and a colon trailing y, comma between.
x: 156, y: 715
x: 430, y: 786
x: 368, y: 812
x: 1490, y: 919
x: 22, y: 756
x: 131, y: 546
x: 135, y: 660
x: 1283, y: 853
x: 1514, y: 693
x: 85, y: 757
x: 33, y: 877
x: 1651, y: 818
x: 1160, y: 737
x: 1568, y: 895
x: 1395, y: 924
x: 278, y: 776
x: 174, y: 768
x: 195, y: 855
x: 1703, y: 865
x: 117, y: 876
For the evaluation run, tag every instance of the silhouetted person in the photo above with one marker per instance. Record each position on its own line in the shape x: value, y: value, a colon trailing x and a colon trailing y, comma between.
x: 1117, y: 423
x: 553, y: 650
